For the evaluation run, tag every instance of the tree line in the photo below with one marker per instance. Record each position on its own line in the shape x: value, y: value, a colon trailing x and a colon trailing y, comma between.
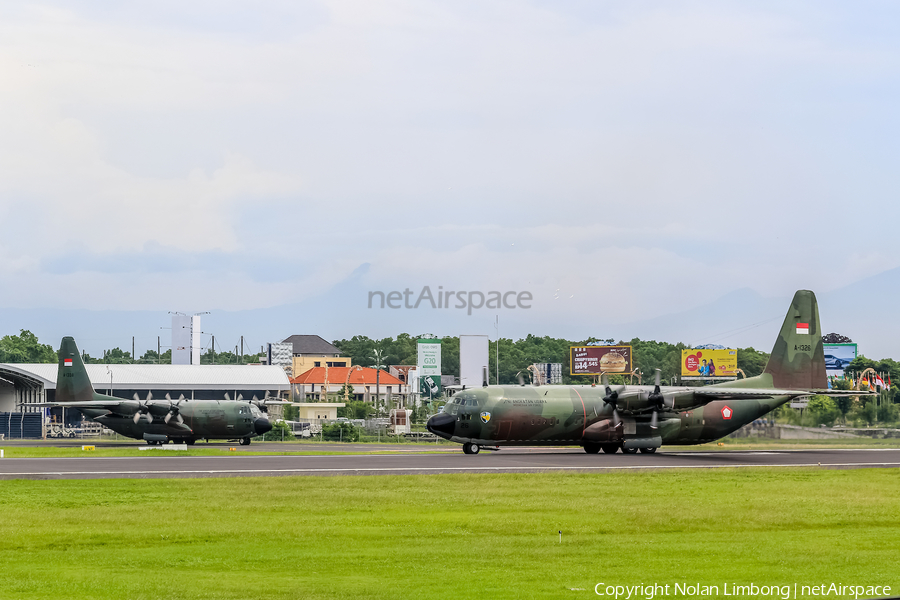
x: 517, y: 355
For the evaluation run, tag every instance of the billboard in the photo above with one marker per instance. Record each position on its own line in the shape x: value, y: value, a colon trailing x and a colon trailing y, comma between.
x: 428, y: 366
x: 837, y: 357
x: 706, y: 363
x: 591, y: 360
x: 473, y: 359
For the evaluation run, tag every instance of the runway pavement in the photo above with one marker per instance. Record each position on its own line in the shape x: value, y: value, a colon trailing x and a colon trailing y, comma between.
x: 509, y: 460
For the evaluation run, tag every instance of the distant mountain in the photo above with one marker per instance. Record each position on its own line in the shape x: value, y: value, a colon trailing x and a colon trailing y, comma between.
x: 740, y: 318
x: 863, y: 311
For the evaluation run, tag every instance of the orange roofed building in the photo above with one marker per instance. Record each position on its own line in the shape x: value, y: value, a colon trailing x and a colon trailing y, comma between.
x: 366, y: 383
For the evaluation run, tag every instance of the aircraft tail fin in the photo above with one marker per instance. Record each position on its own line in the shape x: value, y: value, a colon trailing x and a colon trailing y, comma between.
x: 798, y: 358
x: 72, y: 382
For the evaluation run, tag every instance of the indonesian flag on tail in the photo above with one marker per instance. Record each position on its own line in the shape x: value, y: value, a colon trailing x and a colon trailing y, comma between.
x: 803, y: 328
x: 67, y: 362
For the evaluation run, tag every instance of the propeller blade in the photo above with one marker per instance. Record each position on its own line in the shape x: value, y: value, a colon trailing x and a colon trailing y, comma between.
x: 227, y: 397
x: 166, y: 419
x: 255, y: 399
x: 168, y: 397
x: 149, y: 396
x: 656, y: 397
x: 654, y: 420
x: 616, y: 419
x: 179, y: 419
x: 149, y: 418
x: 136, y: 397
x: 239, y: 397
x: 604, y: 379
x: 136, y: 418
x: 180, y: 398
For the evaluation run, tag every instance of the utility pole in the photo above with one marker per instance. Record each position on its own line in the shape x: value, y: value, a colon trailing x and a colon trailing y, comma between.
x: 213, y: 349
x: 132, y: 350
x: 497, y: 325
x: 158, y: 348
x: 242, y: 351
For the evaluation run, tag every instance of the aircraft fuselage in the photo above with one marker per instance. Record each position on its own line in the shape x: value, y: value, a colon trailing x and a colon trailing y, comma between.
x: 577, y: 415
x: 200, y: 419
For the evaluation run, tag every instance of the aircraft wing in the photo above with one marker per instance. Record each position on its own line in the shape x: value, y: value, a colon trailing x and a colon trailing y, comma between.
x: 116, y: 406
x: 724, y: 393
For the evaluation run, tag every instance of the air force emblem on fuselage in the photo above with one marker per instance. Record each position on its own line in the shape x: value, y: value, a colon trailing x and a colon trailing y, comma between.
x: 485, y: 417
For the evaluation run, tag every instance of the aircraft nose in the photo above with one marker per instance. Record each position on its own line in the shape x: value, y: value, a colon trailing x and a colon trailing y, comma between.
x: 262, y: 425
x: 442, y: 425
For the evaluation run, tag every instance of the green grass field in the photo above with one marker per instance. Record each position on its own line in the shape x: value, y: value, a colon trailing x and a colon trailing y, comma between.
x: 446, y: 536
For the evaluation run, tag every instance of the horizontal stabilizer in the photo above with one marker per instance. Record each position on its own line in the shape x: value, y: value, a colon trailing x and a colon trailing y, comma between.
x: 97, y: 404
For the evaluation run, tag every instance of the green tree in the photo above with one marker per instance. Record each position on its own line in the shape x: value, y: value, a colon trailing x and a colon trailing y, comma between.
x: 823, y: 410
x: 340, y: 432
x: 359, y: 348
x: 280, y: 431
x: 751, y: 361
x: 290, y: 413
x: 224, y: 358
x: 150, y: 357
x: 357, y: 409
x: 25, y: 348
x: 116, y: 356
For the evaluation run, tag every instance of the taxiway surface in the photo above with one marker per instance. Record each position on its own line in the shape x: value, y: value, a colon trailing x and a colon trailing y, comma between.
x: 508, y: 460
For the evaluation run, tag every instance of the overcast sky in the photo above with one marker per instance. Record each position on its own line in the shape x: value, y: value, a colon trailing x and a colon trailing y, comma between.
x: 225, y: 155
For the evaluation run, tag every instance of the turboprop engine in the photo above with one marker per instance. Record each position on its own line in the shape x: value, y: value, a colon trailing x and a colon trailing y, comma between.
x: 604, y: 431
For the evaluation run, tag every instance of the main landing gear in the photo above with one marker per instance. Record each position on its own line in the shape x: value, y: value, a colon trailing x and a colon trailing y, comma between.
x: 613, y: 448
x: 245, y: 441
x: 470, y: 448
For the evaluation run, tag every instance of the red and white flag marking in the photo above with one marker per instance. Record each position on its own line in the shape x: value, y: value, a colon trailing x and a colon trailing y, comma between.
x: 67, y: 362
x: 803, y: 328
x: 727, y: 412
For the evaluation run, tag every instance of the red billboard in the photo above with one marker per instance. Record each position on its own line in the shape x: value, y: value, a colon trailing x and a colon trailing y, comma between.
x: 592, y: 360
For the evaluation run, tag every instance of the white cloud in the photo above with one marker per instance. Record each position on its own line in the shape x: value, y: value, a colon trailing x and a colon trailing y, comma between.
x: 616, y: 146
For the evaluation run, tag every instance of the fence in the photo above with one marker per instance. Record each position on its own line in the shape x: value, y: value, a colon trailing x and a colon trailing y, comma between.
x: 17, y: 425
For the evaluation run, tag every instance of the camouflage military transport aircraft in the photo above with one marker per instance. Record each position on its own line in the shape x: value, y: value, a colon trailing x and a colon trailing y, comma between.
x: 156, y: 421
x: 633, y: 418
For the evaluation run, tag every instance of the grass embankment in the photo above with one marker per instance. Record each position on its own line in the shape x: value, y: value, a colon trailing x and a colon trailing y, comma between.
x: 755, y: 443
x: 451, y: 536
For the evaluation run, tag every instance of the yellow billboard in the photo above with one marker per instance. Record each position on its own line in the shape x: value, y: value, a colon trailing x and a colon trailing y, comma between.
x: 704, y: 364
